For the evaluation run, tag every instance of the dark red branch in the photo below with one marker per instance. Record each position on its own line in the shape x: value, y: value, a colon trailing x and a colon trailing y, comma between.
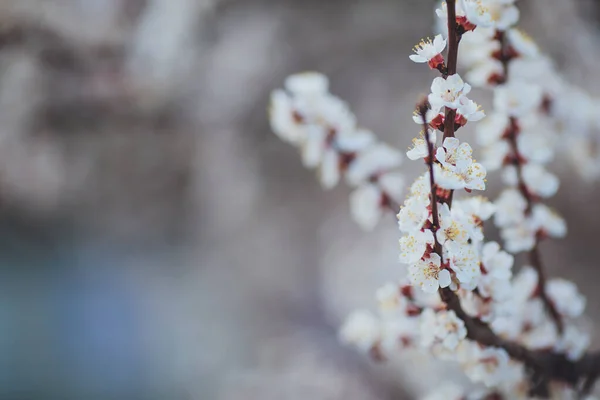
x: 543, y: 366
x: 534, y: 254
x: 454, y: 37
x: 422, y: 107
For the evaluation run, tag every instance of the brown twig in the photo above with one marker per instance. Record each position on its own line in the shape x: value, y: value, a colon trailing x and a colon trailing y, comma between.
x: 451, y: 64
x: 543, y: 366
x: 422, y: 107
x: 517, y: 160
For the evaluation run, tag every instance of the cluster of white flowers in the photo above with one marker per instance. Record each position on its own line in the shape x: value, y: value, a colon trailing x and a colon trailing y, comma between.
x: 570, y: 110
x: 519, y: 137
x: 456, y: 281
x: 321, y: 125
x: 454, y: 255
x: 394, y: 327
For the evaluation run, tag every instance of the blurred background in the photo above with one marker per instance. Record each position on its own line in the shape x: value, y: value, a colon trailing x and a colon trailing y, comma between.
x: 158, y: 241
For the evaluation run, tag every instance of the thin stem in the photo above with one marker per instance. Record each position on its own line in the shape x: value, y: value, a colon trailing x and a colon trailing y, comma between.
x: 422, y: 107
x: 534, y: 254
x: 536, y: 262
x: 453, y: 38
x: 452, y: 60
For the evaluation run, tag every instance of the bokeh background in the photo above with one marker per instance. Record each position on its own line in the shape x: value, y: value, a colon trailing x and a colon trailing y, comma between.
x: 158, y: 242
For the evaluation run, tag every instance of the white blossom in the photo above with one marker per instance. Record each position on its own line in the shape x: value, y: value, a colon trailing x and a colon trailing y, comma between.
x: 517, y: 99
x: 420, y: 146
x: 413, y: 246
x: 388, y: 298
x: 391, y: 185
x: 448, y: 92
x: 421, y: 186
x: 477, y: 13
x: 497, y: 263
x: 548, y: 221
x: 430, y: 52
x: 430, y: 116
x: 573, y: 342
x: 457, y: 169
x: 374, y: 160
x: 504, y: 13
x: 464, y: 261
x: 522, y: 43
x: 282, y: 119
x: 428, y: 274
x: 566, y: 298
x: 519, y: 237
x: 478, y: 207
x: 453, y: 225
x: 492, y: 129
x: 413, y: 214
x: 370, y: 200
x: 443, y: 327
x: 470, y: 110
x: 485, y: 73
x: 539, y: 181
x: 469, y: 13
x: 307, y: 83
x: 361, y: 329
x: 398, y: 333
x: 510, y: 207
x: 537, y: 146
x: 491, y: 366
x: 365, y: 205
x: 313, y: 145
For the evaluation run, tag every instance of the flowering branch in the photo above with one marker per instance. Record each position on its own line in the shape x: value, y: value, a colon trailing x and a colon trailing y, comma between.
x: 514, y: 335
x: 505, y: 54
x: 307, y: 116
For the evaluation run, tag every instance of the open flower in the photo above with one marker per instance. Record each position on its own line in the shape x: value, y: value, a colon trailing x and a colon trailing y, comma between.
x: 361, y: 329
x: 428, y: 274
x: 413, y: 214
x: 565, y: 296
x: 452, y: 226
x: 519, y: 237
x: 522, y: 43
x: 414, y: 245
x: 539, y: 180
x: 503, y: 12
x: 443, y: 327
x: 477, y: 13
x: 517, y: 99
x: 510, y: 208
x: 548, y: 222
x: 490, y: 366
x: 457, y: 169
x: 447, y: 92
x: 374, y: 160
x: 434, y: 117
x: 420, y: 146
x: 468, y: 110
x: 307, y: 83
x: 370, y: 200
x: 464, y: 262
x: 469, y: 14
x: 430, y: 52
x: 497, y: 262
